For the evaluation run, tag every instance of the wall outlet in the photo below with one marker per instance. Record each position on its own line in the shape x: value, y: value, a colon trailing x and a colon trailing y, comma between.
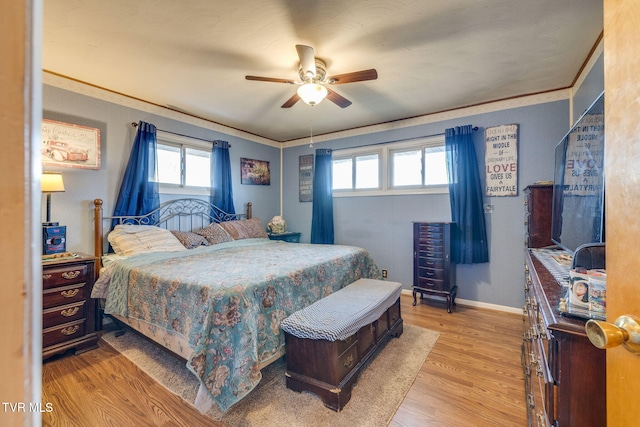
x: 384, y: 274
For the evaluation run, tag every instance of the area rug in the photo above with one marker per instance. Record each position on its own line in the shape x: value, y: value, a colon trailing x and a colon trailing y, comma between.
x: 376, y: 395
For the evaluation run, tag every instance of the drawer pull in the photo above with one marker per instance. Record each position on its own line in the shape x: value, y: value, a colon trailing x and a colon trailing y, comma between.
x: 46, y: 276
x: 348, y: 363
x: 70, y: 312
x: 70, y: 330
x: 71, y: 274
x: 70, y: 293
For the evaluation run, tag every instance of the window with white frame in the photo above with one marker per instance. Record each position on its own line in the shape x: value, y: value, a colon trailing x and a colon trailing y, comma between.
x: 411, y: 167
x: 184, y: 164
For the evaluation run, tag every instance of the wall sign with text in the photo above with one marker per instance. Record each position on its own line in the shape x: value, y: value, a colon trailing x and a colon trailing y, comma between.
x: 306, y: 178
x: 501, y: 160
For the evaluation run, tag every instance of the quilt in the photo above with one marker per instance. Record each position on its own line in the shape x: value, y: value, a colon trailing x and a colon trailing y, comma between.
x: 229, y: 299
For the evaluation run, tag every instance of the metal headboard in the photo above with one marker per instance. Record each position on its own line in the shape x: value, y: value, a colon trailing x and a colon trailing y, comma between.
x: 179, y: 214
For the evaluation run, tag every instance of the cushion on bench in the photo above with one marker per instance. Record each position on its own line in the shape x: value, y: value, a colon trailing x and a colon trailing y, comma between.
x: 343, y: 313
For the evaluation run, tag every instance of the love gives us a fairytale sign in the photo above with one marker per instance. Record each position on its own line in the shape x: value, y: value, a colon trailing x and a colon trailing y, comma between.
x: 501, y: 160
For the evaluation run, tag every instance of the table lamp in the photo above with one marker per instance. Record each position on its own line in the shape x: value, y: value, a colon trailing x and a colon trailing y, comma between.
x: 51, y: 183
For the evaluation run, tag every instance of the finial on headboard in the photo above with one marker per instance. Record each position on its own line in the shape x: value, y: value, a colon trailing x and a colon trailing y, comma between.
x: 97, y: 229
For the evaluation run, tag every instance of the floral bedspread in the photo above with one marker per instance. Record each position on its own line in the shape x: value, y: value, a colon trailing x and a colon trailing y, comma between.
x: 228, y: 300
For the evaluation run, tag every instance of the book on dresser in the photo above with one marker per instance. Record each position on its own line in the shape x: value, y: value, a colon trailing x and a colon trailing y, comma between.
x: 68, y: 311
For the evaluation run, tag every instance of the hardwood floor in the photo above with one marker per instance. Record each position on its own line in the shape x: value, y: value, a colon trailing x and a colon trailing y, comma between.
x: 472, y: 377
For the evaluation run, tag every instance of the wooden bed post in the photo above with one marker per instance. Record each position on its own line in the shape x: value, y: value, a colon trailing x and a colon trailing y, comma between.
x: 97, y: 230
x: 249, y: 210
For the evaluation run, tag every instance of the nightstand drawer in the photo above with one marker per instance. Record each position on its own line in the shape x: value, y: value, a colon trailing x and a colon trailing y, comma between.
x: 62, y: 276
x: 63, y: 295
x: 62, y: 314
x: 64, y: 332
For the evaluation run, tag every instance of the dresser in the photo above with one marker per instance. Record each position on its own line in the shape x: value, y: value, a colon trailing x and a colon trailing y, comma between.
x: 433, y: 272
x: 538, y: 204
x: 68, y: 312
x: 564, y: 374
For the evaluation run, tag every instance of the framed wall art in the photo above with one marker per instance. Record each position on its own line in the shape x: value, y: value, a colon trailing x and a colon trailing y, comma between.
x: 254, y: 172
x: 69, y: 145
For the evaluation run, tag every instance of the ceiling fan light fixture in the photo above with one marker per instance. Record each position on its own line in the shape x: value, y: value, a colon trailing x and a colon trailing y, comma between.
x: 312, y: 93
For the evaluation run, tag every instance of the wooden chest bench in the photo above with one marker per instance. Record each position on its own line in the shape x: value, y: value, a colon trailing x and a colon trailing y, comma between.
x: 329, y: 342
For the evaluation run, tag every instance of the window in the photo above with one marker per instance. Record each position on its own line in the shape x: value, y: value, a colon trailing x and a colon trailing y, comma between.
x: 412, y: 167
x: 184, y: 164
x: 360, y: 172
x: 422, y: 166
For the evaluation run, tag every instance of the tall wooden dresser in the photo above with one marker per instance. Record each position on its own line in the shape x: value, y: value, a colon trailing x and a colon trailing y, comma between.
x: 538, y: 204
x: 69, y: 313
x: 433, y: 272
x: 564, y: 374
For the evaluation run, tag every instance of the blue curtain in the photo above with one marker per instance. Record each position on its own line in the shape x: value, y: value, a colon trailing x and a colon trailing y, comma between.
x: 221, y: 190
x: 139, y: 191
x: 322, y: 217
x: 465, y: 193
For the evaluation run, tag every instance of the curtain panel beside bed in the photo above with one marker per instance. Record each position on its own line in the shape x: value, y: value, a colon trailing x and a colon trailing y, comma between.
x: 139, y: 192
x: 221, y: 188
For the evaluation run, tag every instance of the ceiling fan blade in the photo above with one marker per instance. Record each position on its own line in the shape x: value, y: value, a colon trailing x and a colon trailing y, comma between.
x: 269, y: 79
x: 307, y: 60
x: 356, y: 76
x: 337, y: 99
x: 291, y: 101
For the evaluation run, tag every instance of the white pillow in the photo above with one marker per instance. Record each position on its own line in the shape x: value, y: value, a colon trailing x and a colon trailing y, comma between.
x: 127, y: 239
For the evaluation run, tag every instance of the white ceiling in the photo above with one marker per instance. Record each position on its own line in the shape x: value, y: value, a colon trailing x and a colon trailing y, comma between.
x: 431, y: 55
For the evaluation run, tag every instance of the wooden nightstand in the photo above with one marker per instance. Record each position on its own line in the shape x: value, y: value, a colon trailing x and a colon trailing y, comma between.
x: 287, y: 236
x: 69, y: 313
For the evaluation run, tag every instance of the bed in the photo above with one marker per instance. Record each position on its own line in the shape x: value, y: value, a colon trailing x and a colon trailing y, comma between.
x: 217, y: 305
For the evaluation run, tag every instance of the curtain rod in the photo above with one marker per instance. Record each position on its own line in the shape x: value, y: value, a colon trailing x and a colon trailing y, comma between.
x: 475, y: 128
x: 135, y: 125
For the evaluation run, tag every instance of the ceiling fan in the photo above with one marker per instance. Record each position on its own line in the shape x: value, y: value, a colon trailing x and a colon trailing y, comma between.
x: 314, y: 80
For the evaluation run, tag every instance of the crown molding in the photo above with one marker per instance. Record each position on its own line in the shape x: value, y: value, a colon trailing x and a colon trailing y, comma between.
x: 127, y: 101
x: 138, y: 104
x: 490, y: 107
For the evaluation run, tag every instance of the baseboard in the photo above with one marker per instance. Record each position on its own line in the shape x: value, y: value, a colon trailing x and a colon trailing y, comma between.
x: 476, y: 304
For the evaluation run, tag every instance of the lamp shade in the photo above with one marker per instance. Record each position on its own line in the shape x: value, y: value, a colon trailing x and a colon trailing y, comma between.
x: 312, y: 93
x: 51, y: 182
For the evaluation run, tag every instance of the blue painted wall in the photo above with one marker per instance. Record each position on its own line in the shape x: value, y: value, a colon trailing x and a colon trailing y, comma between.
x: 381, y: 224
x: 74, y: 207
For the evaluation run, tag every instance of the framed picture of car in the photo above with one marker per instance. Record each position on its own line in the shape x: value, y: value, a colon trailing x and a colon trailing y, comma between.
x: 69, y: 145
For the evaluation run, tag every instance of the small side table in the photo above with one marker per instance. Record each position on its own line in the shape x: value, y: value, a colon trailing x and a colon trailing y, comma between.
x: 69, y: 312
x: 287, y: 236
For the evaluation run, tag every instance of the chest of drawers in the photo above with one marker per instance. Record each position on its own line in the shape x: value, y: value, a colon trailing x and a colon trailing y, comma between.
x: 564, y: 374
x: 68, y: 312
x: 433, y: 271
x: 538, y: 205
